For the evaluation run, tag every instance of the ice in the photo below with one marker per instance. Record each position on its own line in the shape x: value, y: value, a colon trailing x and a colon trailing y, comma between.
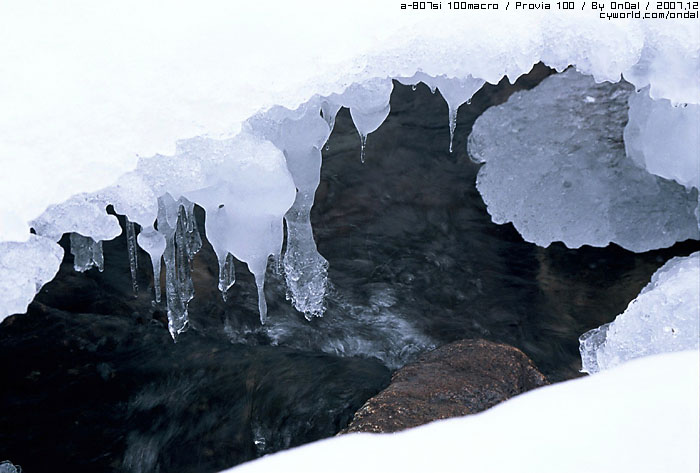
x: 250, y: 190
x: 227, y: 274
x: 24, y: 268
x: 83, y: 213
x: 555, y: 166
x: 8, y: 467
x: 664, y: 317
x: 153, y: 243
x: 301, y: 135
x: 455, y: 91
x: 369, y: 106
x: 123, y: 120
x: 177, y: 225
x: 329, y: 110
x: 89, y: 121
x: 664, y: 139
x: 86, y: 253
x: 133, y: 254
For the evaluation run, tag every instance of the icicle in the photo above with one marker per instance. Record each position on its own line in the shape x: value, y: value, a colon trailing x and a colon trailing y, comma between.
x: 133, y: 254
x: 306, y: 271
x: 194, y: 239
x: 369, y: 106
x: 329, y: 110
x: 262, y: 303
x: 453, y: 124
x: 363, y: 143
x: 153, y: 243
x: 227, y: 274
x: 176, y: 223
x: 86, y: 252
x: 301, y: 134
x: 455, y: 91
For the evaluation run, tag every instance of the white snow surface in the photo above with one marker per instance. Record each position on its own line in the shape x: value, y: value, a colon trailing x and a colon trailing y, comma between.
x: 24, y: 268
x: 642, y: 416
x: 88, y: 88
x: 664, y: 317
x: 123, y: 102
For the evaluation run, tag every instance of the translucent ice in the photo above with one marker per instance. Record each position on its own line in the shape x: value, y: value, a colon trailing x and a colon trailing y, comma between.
x: 664, y: 139
x: 249, y: 191
x: 455, y: 91
x: 153, y: 243
x: 369, y: 106
x: 24, y: 268
x: 133, y: 253
x: 176, y: 224
x: 122, y: 128
x: 86, y: 253
x: 83, y: 213
x: 301, y: 134
x: 665, y: 317
x: 555, y: 166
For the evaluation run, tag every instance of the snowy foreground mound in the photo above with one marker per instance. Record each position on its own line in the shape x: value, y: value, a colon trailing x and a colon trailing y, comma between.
x: 664, y: 317
x: 228, y: 107
x: 642, y: 417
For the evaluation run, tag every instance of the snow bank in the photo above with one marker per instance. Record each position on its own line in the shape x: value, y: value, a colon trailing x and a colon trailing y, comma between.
x: 641, y: 417
x: 664, y: 317
x: 134, y: 105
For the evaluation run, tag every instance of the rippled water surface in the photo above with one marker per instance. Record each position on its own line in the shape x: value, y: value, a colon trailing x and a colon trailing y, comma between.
x: 92, y: 382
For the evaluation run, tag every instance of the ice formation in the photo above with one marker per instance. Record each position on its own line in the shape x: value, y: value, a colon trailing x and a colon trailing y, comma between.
x: 86, y: 253
x: 555, y: 166
x: 24, y: 268
x: 179, y: 114
x: 455, y: 91
x: 665, y: 317
x: 664, y: 139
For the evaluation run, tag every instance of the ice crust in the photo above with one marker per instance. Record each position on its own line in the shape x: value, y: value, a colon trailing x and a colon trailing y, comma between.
x: 664, y: 139
x: 555, y: 166
x: 663, y: 318
x: 165, y: 117
x: 24, y: 268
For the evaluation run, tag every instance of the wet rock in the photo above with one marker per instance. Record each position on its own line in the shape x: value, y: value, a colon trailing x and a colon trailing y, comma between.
x: 464, y: 377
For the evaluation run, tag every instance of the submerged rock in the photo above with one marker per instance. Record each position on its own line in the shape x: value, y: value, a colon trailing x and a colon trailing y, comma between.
x: 457, y: 379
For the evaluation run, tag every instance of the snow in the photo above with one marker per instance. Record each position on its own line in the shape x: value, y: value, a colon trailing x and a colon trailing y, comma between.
x: 555, y: 166
x: 127, y: 103
x: 642, y: 416
x: 664, y: 317
x: 24, y: 268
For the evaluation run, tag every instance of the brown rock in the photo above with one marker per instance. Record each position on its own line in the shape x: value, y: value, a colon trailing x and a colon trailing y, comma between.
x: 461, y: 378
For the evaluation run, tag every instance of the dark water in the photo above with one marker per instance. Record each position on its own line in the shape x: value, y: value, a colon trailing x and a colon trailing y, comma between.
x: 90, y: 380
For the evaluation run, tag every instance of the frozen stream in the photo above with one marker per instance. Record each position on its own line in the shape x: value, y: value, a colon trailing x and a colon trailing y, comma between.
x: 91, y: 380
